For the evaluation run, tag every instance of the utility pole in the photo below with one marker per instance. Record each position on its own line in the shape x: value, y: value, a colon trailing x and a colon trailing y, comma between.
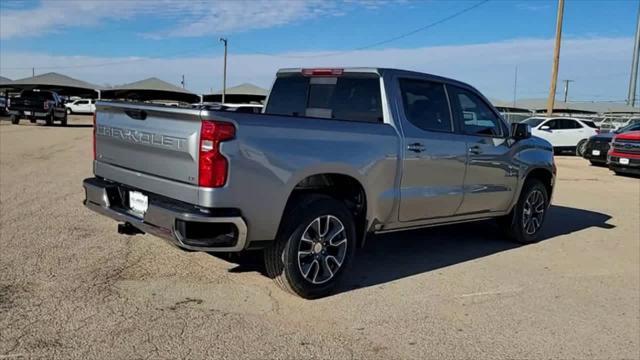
x: 182, y: 82
x: 515, y: 86
x: 224, y: 73
x: 556, y: 59
x: 631, y: 98
x: 566, y: 88
x: 33, y: 72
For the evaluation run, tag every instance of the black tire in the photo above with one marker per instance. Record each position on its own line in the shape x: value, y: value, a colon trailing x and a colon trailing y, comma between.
x: 581, y: 147
x: 283, y: 261
x: 49, y: 119
x: 69, y: 112
x: 514, y: 225
x: 15, y: 119
x: 64, y: 120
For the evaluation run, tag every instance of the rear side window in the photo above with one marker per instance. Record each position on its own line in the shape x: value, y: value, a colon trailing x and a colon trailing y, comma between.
x: 288, y: 96
x: 349, y: 97
x: 425, y: 105
x: 569, y: 124
x: 590, y: 124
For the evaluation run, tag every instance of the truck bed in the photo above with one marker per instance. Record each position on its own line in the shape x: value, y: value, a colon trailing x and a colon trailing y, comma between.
x: 155, y: 149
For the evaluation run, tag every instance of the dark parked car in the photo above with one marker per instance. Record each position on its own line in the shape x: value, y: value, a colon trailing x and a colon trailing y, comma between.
x: 38, y: 105
x: 598, y: 145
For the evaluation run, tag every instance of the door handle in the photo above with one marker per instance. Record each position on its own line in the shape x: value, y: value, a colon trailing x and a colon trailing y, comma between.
x: 416, y: 147
x: 475, y: 150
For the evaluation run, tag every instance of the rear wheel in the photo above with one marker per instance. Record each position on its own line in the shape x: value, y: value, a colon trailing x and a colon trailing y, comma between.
x: 525, y: 221
x: 63, y: 122
x: 15, y: 119
x: 314, y: 247
x: 581, y: 147
x: 69, y: 112
x: 49, y: 119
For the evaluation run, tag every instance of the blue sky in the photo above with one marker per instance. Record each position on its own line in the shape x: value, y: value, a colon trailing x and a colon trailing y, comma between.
x: 173, y: 37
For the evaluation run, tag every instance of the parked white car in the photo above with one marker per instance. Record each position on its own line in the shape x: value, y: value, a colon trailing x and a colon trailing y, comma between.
x: 81, y: 106
x: 564, y: 133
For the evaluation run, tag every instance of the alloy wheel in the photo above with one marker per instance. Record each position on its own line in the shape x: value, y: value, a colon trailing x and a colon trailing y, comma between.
x: 533, y: 212
x: 322, y: 249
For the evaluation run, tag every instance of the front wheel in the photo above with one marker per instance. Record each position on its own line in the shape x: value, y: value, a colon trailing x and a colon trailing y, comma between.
x: 69, y: 112
x: 525, y: 221
x: 314, y: 247
x: 581, y: 148
x: 15, y: 119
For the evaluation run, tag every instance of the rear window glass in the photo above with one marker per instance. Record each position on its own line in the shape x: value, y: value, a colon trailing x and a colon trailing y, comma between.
x: 36, y: 95
x: 349, y: 97
x: 590, y: 124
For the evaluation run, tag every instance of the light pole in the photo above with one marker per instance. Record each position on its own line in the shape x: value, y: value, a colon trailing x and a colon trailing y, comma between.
x: 566, y: 89
x: 224, y: 71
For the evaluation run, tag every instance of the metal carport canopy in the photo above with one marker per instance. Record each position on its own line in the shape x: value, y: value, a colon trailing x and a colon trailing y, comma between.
x: 242, y: 93
x: 62, y: 84
x: 150, y: 89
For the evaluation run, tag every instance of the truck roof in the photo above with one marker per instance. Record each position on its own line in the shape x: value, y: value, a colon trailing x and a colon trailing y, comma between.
x: 380, y: 71
x: 387, y: 71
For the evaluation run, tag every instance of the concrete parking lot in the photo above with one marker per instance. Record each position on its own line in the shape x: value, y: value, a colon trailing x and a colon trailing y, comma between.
x: 71, y: 287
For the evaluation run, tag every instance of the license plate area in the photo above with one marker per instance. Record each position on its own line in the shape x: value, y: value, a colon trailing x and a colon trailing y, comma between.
x: 595, y: 152
x: 624, y: 161
x: 27, y: 113
x: 138, y: 202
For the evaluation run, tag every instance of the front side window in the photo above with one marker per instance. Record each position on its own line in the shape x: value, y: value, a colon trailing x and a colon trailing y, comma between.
x: 476, y: 116
x: 425, y: 105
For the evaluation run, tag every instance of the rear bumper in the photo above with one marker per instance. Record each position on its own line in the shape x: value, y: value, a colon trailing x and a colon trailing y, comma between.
x: 34, y: 114
x: 164, y: 218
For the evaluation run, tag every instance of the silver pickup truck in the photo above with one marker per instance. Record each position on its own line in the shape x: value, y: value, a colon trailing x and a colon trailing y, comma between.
x: 336, y: 155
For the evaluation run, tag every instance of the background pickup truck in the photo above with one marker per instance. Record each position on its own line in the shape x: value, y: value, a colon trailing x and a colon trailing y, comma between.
x: 338, y: 154
x: 38, y: 104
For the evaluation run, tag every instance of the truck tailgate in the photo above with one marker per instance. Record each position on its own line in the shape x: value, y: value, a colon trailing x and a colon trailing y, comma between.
x: 151, y: 140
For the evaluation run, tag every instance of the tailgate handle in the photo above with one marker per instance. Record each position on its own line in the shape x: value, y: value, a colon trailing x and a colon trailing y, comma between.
x: 136, y: 114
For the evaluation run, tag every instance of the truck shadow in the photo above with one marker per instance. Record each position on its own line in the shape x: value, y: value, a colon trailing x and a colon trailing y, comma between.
x: 394, y: 256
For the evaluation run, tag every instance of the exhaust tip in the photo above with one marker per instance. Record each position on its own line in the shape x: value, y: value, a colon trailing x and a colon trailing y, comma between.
x: 128, y: 229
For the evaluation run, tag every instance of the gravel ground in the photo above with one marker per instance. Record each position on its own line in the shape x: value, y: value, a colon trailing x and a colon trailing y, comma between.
x: 71, y: 287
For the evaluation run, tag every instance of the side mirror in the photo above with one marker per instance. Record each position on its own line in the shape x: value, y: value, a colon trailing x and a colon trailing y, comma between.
x: 520, y: 131
x: 545, y: 128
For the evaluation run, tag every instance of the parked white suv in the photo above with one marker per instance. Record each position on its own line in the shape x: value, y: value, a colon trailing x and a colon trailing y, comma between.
x: 82, y: 106
x: 564, y: 133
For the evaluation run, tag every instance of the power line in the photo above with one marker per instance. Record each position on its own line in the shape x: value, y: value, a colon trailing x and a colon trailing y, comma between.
x: 200, y: 48
x: 385, y: 41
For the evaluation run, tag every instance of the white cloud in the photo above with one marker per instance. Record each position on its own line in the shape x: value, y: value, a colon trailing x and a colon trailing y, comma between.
x: 188, y: 18
x: 599, y: 66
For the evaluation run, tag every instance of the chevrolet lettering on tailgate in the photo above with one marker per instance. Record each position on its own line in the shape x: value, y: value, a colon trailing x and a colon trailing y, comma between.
x: 141, y: 137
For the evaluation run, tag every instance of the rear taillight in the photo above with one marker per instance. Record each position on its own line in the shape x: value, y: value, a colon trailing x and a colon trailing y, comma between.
x: 322, y: 72
x: 46, y: 105
x: 597, y: 131
x: 213, y: 167
x: 94, y: 136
